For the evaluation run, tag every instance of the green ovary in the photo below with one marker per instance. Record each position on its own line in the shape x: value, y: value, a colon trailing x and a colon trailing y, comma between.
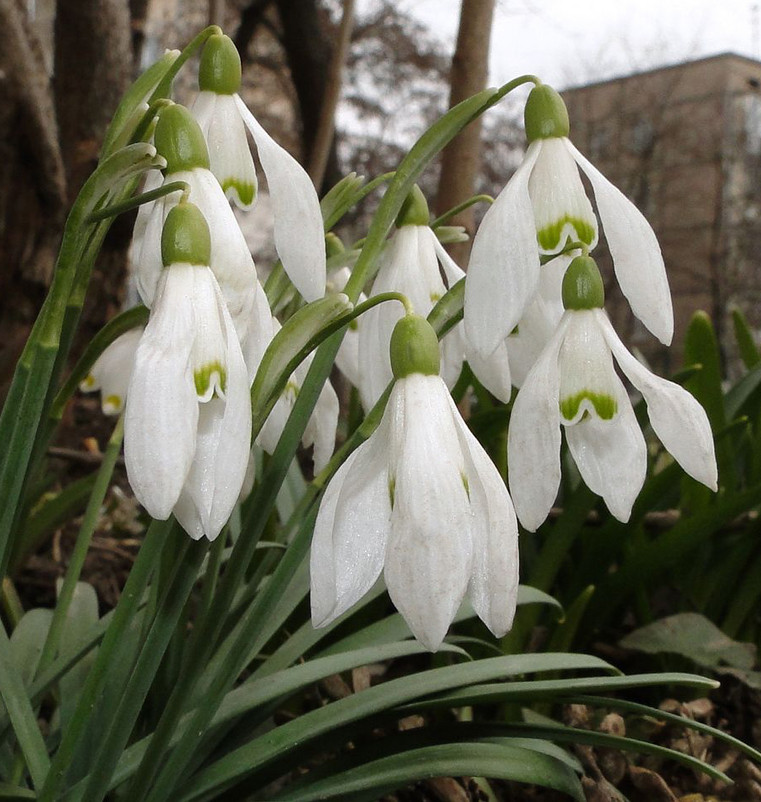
x: 604, y: 405
x: 203, y: 376
x: 549, y: 236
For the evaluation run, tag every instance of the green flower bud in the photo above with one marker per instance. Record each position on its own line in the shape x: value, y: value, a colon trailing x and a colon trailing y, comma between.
x: 582, y: 285
x: 179, y: 140
x: 545, y: 115
x: 414, y: 348
x: 333, y: 245
x: 414, y: 211
x: 219, y: 70
x: 185, y: 238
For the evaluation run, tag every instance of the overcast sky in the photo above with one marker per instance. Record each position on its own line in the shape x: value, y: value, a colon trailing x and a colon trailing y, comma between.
x: 567, y: 42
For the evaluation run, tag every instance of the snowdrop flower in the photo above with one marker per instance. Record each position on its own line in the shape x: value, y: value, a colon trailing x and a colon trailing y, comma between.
x: 542, y: 209
x: 574, y: 383
x: 180, y: 141
x: 410, y: 266
x: 224, y: 118
x: 188, y: 417
x: 112, y: 371
x: 421, y: 502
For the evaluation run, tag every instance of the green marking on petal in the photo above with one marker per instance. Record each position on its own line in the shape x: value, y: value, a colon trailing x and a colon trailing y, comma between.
x: 291, y: 388
x: 435, y: 297
x: 465, y: 484
x: 549, y: 236
x: 112, y: 404
x: 353, y: 326
x: 203, y: 379
x: 87, y: 383
x: 245, y: 191
x: 604, y: 405
x: 391, y: 489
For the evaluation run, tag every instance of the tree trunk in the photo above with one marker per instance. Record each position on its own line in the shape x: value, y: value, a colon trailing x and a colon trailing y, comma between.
x: 461, y: 159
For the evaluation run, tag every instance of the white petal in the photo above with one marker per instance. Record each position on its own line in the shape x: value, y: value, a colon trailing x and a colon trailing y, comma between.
x: 493, y: 371
x: 322, y: 426
x: 224, y: 441
x: 533, y: 439
x: 636, y: 254
x: 153, y: 180
x: 299, y: 233
x: 588, y: 380
x: 229, y: 153
x: 162, y: 411
x: 231, y: 260
x: 562, y: 210
x: 452, y: 270
x: 452, y: 350
x: 112, y: 371
x: 504, y: 263
x: 675, y: 415
x: 188, y: 516
x: 352, y: 529
x: 493, y: 586
x: 429, y: 556
x: 147, y: 250
x: 611, y: 456
x: 261, y: 328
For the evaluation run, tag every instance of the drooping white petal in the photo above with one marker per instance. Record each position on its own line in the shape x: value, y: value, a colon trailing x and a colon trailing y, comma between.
x: 112, y: 371
x: 452, y: 350
x: 562, y: 210
x: 539, y: 321
x: 376, y: 325
x: 493, y: 588
x: 636, y: 255
x: 223, y: 443
x: 347, y: 358
x: 429, y: 555
x: 188, y: 515
x: 162, y: 410
x: 146, y: 249
x: 299, y: 233
x: 231, y: 260
x: 261, y: 328
x: 588, y: 381
x: 229, y: 153
x: 452, y: 271
x: 493, y: 371
x: 153, y: 180
x: 533, y: 439
x: 322, y: 426
x: 611, y: 456
x: 677, y: 418
x: 504, y: 263
x: 352, y: 528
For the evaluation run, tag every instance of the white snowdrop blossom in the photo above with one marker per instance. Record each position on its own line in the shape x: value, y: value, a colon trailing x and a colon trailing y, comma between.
x: 422, y: 503
x: 574, y: 383
x: 224, y: 119
x: 409, y: 265
x: 542, y: 209
x: 188, y: 415
x: 112, y: 371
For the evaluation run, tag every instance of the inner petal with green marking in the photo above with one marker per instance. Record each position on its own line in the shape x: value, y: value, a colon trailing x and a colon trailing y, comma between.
x: 245, y: 190
x: 562, y: 211
x: 210, y: 381
x: 588, y: 381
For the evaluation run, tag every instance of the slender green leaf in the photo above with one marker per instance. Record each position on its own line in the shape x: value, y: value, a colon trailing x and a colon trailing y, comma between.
x: 746, y: 343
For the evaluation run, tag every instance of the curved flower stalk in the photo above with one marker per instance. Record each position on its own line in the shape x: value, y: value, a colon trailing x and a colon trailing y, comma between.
x: 574, y: 383
x: 422, y: 503
x: 112, y: 371
x: 542, y: 209
x: 188, y: 415
x: 224, y: 118
x: 410, y: 265
x: 180, y: 141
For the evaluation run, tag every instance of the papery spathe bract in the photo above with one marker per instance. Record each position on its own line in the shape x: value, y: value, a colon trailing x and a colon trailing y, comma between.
x: 420, y: 502
x: 575, y: 384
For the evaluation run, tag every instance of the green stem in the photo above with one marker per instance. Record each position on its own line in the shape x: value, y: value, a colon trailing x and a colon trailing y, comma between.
x: 84, y: 538
x: 116, y: 209
x: 461, y: 207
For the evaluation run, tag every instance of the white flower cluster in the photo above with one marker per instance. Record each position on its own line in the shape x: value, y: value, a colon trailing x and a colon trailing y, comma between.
x: 419, y: 502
